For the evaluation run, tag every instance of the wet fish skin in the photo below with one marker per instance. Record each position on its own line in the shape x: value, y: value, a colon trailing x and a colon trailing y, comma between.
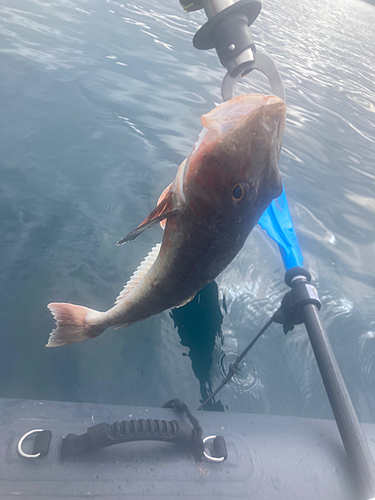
x: 206, y: 221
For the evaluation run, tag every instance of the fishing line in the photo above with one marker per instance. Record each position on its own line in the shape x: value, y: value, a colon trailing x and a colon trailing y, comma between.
x: 233, y: 368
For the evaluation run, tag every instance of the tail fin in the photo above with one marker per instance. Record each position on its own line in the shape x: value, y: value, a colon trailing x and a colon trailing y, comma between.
x: 73, y: 324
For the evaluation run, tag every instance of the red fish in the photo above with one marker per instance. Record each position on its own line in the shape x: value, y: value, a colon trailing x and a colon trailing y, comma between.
x: 208, y: 211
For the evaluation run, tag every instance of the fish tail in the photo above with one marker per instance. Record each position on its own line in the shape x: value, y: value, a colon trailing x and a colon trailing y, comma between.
x: 73, y: 324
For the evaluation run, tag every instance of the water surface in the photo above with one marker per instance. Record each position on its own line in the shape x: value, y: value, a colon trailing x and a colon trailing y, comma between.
x: 100, y: 102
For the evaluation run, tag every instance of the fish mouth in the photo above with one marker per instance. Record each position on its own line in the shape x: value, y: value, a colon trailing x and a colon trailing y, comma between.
x: 229, y: 114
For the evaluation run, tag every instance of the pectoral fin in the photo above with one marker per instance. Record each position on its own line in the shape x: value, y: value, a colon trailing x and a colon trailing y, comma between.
x: 163, y: 210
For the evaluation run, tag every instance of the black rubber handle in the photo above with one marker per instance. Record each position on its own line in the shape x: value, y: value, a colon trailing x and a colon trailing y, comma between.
x: 103, y: 435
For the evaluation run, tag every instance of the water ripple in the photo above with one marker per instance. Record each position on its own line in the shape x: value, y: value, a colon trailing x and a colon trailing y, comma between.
x: 246, y: 380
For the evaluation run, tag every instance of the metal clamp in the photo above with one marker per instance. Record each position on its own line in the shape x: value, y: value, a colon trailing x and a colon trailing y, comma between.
x: 209, y: 457
x: 20, y: 442
x: 227, y: 30
x: 262, y: 63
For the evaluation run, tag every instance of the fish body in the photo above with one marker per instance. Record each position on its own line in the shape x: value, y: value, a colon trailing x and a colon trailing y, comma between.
x: 207, y: 212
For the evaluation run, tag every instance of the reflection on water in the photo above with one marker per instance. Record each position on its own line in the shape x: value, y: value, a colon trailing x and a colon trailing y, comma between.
x: 101, y: 101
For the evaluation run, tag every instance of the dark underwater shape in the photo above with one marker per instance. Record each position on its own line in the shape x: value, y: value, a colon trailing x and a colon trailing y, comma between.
x: 199, y: 326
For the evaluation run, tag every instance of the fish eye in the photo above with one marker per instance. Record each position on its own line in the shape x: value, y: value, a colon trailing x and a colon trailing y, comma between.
x: 237, y: 192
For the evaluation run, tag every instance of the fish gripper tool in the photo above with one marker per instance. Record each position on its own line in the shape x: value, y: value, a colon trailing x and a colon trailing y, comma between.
x: 227, y: 31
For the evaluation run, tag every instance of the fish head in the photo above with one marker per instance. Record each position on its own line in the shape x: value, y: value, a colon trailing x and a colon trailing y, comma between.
x: 232, y: 175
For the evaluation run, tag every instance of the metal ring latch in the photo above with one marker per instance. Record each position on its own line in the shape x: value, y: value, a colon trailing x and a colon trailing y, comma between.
x: 20, y: 442
x: 209, y: 457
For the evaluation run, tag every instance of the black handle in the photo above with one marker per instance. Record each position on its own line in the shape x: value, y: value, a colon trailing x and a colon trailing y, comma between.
x: 103, y: 435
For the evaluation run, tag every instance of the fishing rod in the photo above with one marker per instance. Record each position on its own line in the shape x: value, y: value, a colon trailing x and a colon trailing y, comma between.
x: 227, y: 30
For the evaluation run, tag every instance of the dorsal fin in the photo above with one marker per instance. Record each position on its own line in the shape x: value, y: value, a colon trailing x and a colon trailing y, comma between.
x: 139, y: 273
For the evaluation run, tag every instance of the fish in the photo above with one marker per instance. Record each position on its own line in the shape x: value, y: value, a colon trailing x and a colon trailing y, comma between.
x: 207, y: 212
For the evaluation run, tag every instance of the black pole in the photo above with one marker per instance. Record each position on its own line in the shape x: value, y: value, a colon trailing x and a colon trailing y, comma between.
x: 352, y: 436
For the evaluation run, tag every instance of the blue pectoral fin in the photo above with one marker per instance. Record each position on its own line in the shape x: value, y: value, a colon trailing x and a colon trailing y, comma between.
x: 277, y: 222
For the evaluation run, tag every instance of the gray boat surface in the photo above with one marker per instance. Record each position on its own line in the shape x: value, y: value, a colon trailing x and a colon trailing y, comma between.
x: 269, y: 457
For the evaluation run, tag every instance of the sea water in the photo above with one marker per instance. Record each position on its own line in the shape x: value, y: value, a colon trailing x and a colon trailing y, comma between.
x: 100, y: 101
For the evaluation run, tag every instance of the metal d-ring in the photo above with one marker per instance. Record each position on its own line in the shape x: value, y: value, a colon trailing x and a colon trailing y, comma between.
x: 209, y: 457
x: 20, y: 442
